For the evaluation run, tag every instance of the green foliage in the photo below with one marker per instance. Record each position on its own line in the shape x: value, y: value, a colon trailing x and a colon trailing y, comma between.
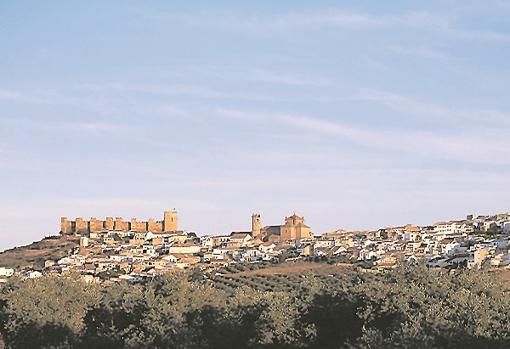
x: 44, y: 313
x: 404, y: 308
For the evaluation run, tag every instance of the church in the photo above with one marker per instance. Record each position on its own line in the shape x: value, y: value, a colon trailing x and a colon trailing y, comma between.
x: 293, y: 229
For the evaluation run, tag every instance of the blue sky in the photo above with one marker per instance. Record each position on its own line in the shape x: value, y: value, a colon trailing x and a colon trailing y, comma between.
x: 356, y: 114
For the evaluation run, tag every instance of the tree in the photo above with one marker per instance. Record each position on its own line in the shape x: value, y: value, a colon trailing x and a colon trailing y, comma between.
x: 45, y: 312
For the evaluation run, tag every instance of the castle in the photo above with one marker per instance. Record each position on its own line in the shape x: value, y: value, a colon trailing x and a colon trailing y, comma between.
x: 293, y: 229
x: 94, y: 225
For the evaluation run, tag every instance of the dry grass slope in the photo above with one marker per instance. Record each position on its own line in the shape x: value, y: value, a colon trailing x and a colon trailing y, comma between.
x: 52, y: 248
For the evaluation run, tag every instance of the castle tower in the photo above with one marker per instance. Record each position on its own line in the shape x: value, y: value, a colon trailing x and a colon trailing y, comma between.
x: 65, y: 226
x: 82, y: 226
x: 255, y: 225
x: 109, y: 224
x: 170, y: 221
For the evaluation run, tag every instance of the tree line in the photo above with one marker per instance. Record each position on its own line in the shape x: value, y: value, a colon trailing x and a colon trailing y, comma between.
x: 409, y: 307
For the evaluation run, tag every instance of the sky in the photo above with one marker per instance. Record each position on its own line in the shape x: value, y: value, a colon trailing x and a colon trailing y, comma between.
x: 355, y: 114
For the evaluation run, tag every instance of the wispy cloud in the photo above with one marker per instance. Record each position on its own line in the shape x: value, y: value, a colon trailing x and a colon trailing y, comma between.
x: 12, y: 95
x: 421, y: 20
x: 177, y: 90
x: 355, y: 20
x: 333, y: 18
x: 58, y: 125
x: 459, y: 146
x: 446, y: 146
x: 91, y: 126
x: 288, y: 79
x: 58, y: 97
x: 482, y: 117
x: 420, y: 51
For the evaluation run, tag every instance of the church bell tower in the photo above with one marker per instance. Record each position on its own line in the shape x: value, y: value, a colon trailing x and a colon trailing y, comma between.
x: 255, y: 225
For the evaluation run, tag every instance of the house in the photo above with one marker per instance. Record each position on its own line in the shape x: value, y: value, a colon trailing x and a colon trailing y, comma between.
x: 33, y: 274
x: 222, y: 239
x: 438, y: 262
x: 97, y: 235
x: 72, y: 260
x: 185, y: 248
x: 337, y: 250
x: 240, y: 238
x: 267, y: 247
x: 137, y: 241
x: 89, y: 268
x: 221, y: 253
x: 491, y: 226
x: 6, y: 272
x: 387, y: 261
x: 253, y: 255
x: 170, y: 259
x: 307, y: 250
x: 411, y: 232
x: 48, y: 263
x: 324, y: 243
x: 501, y: 260
x: 462, y: 260
x: 320, y: 251
x: 448, y: 245
x: 207, y: 257
x: 207, y: 241
x: 185, y: 262
x: 118, y: 258
x: 455, y: 227
x: 157, y: 241
x: 149, y: 250
x: 479, y: 256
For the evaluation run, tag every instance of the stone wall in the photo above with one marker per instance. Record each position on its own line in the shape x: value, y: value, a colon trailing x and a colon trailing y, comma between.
x: 96, y: 225
x: 120, y: 224
x: 81, y: 226
x: 139, y: 227
x: 155, y: 227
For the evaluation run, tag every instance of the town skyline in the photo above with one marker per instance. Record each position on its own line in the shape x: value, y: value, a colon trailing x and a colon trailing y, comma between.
x: 116, y: 222
x: 127, y: 224
x: 245, y: 223
x: 113, y: 250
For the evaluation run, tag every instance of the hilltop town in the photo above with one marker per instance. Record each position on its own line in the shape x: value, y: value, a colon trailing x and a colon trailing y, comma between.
x: 114, y: 250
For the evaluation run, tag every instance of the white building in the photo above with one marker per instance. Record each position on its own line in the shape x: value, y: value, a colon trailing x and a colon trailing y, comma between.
x: 6, y: 272
x: 324, y: 244
x: 451, y: 228
x: 33, y: 274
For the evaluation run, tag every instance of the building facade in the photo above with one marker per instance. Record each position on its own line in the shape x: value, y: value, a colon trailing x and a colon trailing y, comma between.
x: 294, y: 228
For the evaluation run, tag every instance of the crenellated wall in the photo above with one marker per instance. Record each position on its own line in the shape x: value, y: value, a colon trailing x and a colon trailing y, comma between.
x: 155, y: 227
x: 95, y: 225
x: 109, y: 224
x: 120, y: 224
x: 81, y: 226
x: 139, y: 227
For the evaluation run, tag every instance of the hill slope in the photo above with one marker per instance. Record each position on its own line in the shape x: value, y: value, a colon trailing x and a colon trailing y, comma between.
x: 49, y: 248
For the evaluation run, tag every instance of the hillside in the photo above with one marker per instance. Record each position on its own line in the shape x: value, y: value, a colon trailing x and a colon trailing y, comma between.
x: 49, y: 248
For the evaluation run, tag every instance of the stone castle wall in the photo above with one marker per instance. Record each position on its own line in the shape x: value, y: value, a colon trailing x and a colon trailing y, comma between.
x: 81, y: 226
